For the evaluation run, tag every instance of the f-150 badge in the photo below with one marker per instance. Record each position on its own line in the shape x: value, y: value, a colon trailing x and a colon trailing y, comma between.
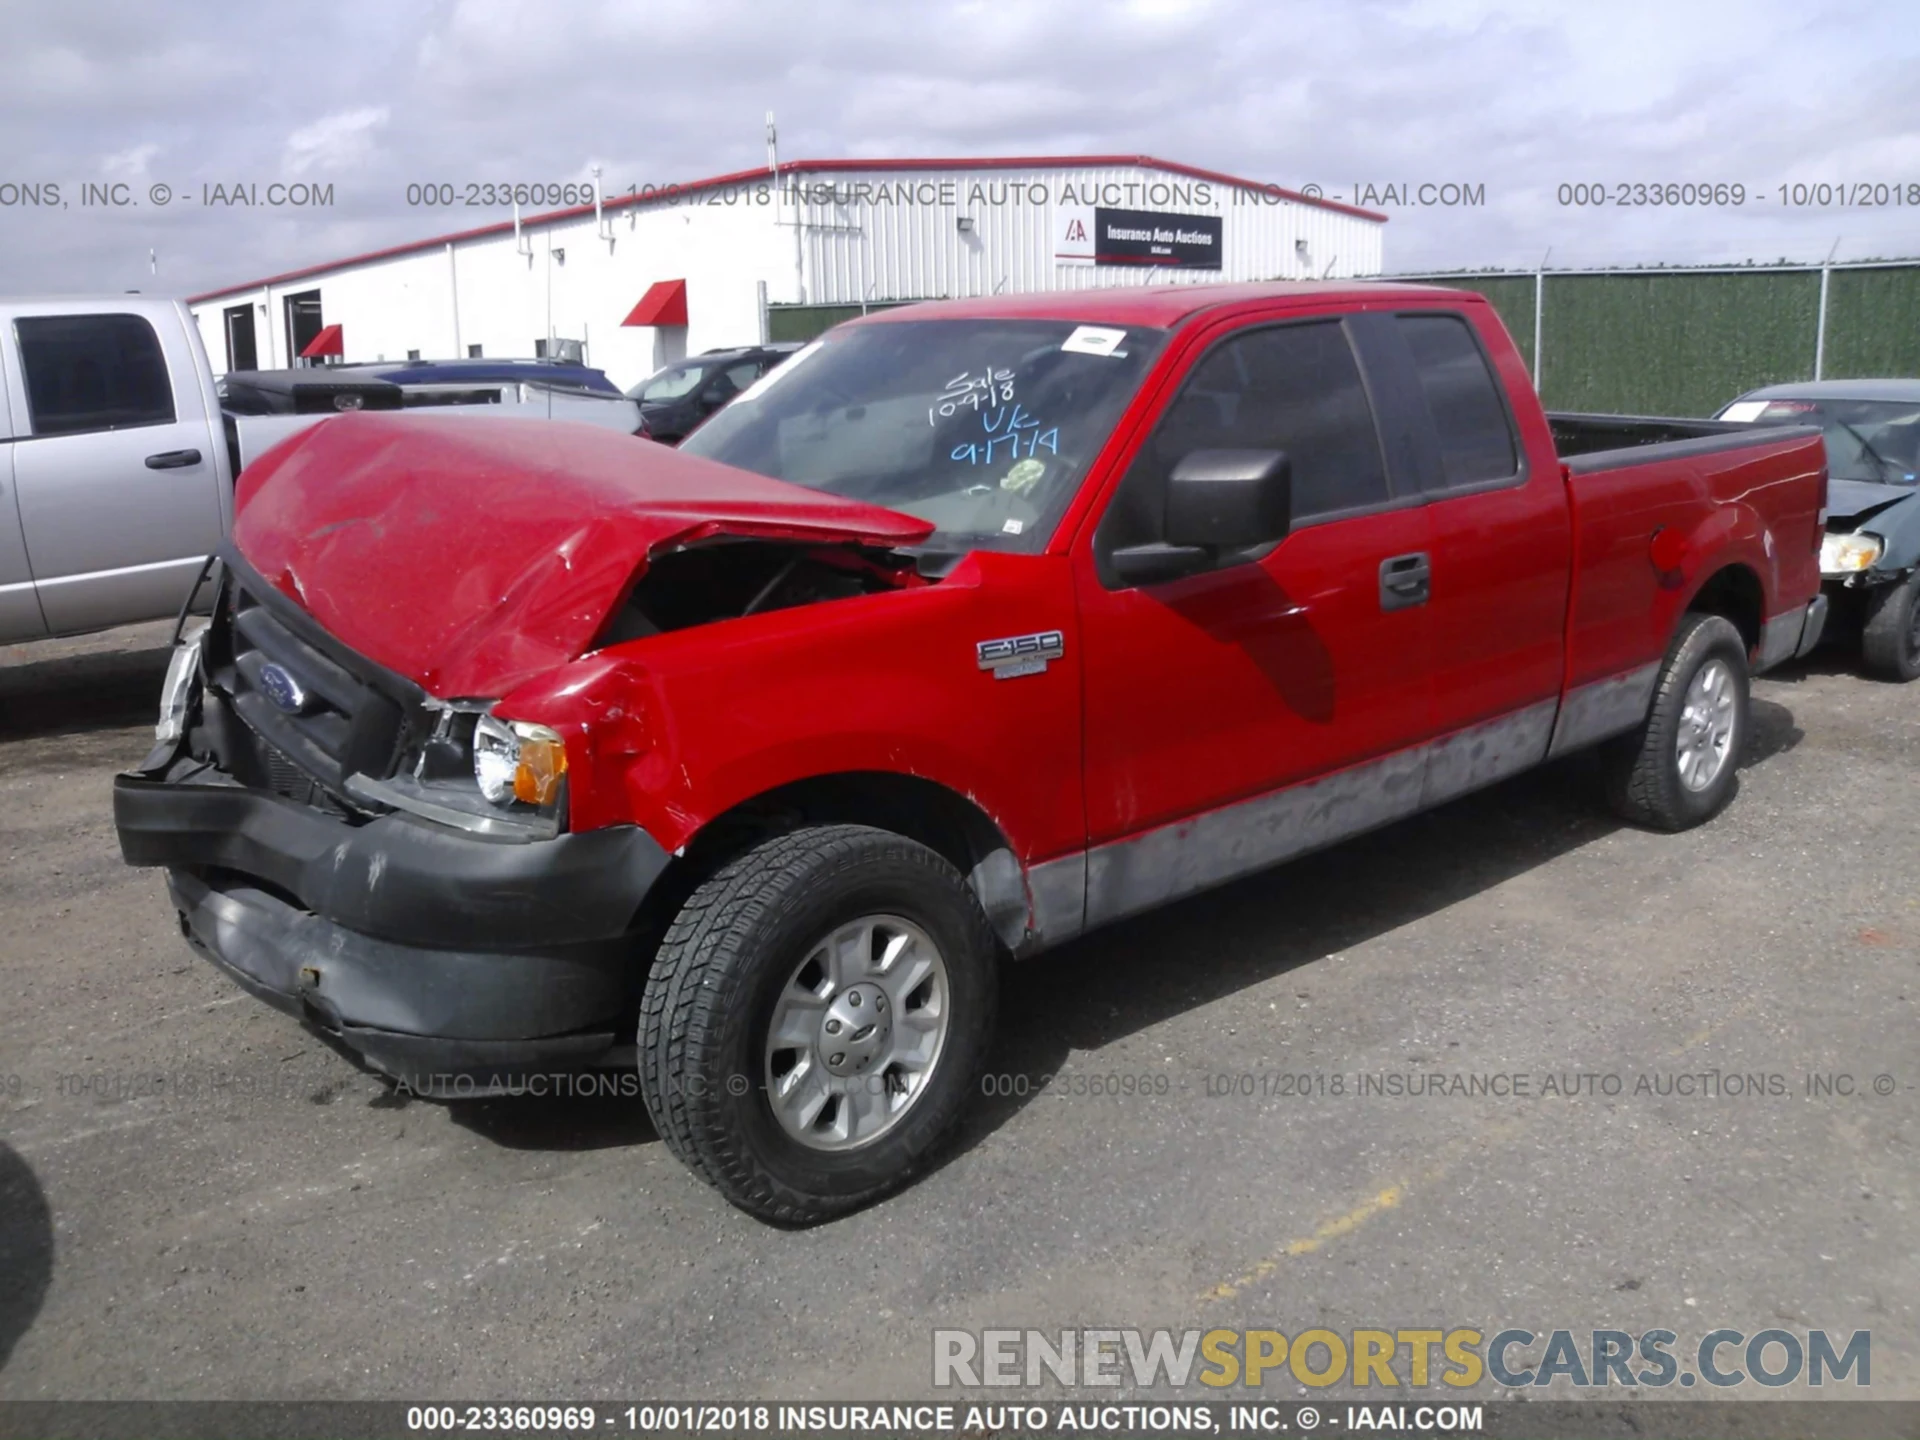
x: 1021, y: 654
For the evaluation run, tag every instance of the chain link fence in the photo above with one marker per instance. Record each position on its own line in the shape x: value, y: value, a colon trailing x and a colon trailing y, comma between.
x: 1684, y: 342
x: 1659, y: 342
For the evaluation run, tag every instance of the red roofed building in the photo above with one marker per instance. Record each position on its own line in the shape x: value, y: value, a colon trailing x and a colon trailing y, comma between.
x: 659, y: 270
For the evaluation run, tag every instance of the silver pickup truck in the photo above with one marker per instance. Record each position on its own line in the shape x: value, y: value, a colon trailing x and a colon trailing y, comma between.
x: 117, y: 463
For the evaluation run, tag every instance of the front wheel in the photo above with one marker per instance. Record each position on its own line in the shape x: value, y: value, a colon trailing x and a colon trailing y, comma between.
x: 1677, y: 769
x: 1890, y: 642
x: 816, y: 1018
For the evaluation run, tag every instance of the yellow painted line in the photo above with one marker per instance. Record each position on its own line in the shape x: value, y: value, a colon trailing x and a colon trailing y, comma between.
x: 1306, y: 1245
x: 1708, y: 1031
x: 1391, y: 1195
x: 1334, y: 1229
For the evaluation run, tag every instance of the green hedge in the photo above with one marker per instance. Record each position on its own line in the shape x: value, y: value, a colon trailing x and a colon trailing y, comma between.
x: 1873, y: 323
x: 1672, y: 342
x: 1683, y: 342
x: 1646, y: 345
x: 803, y: 322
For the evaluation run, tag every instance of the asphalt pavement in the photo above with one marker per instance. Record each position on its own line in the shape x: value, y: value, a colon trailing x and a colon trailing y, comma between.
x: 1278, y: 1105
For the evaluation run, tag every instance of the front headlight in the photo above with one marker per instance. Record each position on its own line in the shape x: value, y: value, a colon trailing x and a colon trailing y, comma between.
x: 514, y: 760
x: 1849, y: 554
x: 176, y: 691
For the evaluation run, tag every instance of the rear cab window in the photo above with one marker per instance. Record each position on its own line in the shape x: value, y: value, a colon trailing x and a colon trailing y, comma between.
x: 1475, y: 435
x: 88, y: 373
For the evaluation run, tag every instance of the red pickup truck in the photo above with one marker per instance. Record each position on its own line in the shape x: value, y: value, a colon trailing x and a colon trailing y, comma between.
x: 976, y: 625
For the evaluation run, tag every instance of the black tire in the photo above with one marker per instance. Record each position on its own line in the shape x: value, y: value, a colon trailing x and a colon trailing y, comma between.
x: 1643, y: 772
x: 1890, y: 641
x: 711, y: 995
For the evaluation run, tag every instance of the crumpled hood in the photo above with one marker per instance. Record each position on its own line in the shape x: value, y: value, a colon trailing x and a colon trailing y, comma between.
x: 1852, y: 501
x: 470, y: 557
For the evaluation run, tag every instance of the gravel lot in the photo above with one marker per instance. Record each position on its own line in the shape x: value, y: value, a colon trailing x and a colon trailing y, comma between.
x: 274, y: 1222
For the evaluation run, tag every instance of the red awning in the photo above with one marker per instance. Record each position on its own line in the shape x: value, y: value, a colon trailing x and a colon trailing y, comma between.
x: 665, y: 303
x: 327, y: 342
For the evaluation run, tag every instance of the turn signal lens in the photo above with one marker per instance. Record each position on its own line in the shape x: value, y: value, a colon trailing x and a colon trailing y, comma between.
x: 543, y: 763
x: 516, y: 760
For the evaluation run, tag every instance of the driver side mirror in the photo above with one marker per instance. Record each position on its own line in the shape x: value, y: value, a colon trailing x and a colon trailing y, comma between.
x: 1217, y: 501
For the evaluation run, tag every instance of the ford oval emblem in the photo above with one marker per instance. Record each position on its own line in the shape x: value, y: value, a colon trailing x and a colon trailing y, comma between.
x: 282, y: 689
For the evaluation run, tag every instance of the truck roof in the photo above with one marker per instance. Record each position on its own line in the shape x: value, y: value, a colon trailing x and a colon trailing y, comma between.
x: 1156, y: 305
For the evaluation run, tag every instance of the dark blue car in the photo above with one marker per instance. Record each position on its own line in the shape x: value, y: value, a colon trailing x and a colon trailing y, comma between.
x: 397, y: 384
x: 1870, y: 560
x: 675, y: 400
x: 481, y: 371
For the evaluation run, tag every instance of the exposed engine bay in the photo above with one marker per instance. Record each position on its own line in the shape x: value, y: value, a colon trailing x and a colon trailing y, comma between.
x: 727, y: 579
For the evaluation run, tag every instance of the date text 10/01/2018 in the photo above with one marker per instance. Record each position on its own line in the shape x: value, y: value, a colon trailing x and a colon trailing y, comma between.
x: 1674, y: 194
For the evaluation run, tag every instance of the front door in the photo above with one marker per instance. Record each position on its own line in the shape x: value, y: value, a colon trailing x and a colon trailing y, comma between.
x: 20, y: 617
x: 1221, y: 695
x: 115, y: 474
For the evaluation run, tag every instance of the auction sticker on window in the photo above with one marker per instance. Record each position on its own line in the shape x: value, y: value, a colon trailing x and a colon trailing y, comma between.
x: 1093, y: 340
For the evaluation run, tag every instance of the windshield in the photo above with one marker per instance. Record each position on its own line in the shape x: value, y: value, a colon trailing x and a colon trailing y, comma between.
x: 670, y: 384
x: 1876, y: 440
x: 983, y: 427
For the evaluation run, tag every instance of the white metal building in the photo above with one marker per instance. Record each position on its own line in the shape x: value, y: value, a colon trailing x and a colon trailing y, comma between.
x: 653, y: 274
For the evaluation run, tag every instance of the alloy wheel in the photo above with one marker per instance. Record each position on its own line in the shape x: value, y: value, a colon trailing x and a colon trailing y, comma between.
x: 857, y: 1032
x: 1705, y: 742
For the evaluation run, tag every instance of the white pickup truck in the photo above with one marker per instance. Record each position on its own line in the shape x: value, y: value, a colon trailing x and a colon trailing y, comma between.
x: 117, y: 462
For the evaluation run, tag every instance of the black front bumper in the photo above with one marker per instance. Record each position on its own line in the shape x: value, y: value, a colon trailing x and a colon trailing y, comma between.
x: 427, y: 952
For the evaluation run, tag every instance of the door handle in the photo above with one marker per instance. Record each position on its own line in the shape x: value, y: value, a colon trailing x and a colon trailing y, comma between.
x: 1405, y: 580
x: 173, y: 459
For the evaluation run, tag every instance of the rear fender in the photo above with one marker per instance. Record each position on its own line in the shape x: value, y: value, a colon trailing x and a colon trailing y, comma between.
x: 1688, y: 564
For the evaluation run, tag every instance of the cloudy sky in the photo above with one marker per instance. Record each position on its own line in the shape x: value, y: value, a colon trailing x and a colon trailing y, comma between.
x: 1517, y: 99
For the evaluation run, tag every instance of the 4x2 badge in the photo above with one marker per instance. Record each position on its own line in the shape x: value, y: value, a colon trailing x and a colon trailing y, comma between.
x: 1021, y: 654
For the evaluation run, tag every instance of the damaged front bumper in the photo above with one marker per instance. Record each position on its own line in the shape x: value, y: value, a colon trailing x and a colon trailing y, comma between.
x: 425, y: 951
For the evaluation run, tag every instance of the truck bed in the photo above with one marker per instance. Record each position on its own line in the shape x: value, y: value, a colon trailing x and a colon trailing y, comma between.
x: 1590, y: 442
x: 1647, y: 513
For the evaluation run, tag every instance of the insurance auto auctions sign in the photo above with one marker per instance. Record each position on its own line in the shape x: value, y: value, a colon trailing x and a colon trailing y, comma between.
x: 1096, y: 235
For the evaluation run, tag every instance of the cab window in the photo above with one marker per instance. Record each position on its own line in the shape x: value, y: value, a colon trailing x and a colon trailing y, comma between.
x: 93, y: 372
x: 1295, y: 388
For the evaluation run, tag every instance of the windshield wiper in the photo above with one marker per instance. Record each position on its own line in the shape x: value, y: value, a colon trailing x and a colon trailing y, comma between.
x: 1887, y: 467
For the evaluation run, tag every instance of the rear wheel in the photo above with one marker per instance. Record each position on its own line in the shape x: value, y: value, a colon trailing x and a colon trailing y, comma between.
x: 1891, y: 640
x: 1678, y: 768
x: 816, y: 1019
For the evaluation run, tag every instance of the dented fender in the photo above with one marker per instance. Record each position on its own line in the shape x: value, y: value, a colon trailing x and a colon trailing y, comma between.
x: 674, y: 731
